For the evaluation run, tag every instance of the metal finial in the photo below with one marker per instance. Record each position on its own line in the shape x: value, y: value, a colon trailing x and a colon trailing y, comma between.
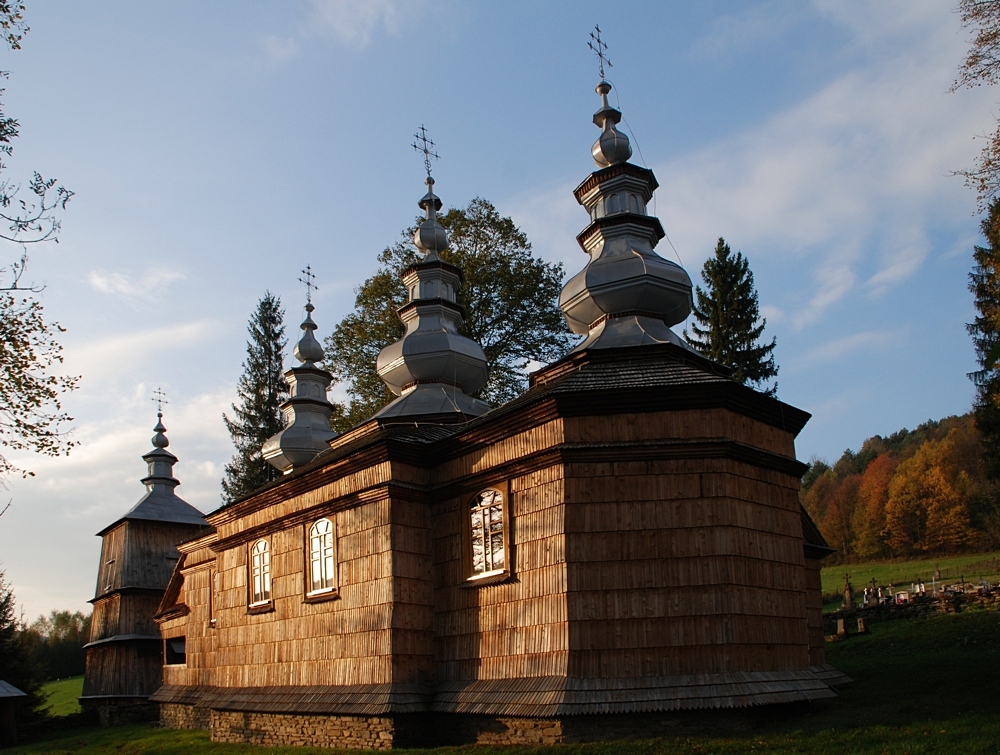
x: 308, y: 281
x: 159, y: 398
x: 423, y: 144
x: 599, y: 48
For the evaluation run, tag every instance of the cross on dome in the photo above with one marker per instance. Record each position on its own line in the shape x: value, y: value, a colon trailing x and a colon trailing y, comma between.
x: 600, y: 49
x: 425, y: 145
x: 160, y: 399
x: 308, y: 279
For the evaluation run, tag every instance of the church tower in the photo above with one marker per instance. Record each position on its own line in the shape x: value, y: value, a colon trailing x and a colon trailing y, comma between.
x: 432, y: 368
x: 627, y: 295
x: 307, y: 410
x: 138, y: 553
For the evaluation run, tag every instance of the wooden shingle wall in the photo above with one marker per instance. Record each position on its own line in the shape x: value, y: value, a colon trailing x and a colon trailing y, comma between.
x: 123, y: 669
x: 515, y: 629
x: 814, y: 607
x: 680, y: 566
x: 375, y: 630
x: 124, y: 613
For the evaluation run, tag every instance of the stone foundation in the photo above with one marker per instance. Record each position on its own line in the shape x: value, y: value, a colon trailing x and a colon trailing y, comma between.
x: 436, y: 729
x: 174, y: 716
x: 353, y: 732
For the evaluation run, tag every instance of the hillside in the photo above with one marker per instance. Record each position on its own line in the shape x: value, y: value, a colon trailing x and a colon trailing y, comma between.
x: 914, y: 493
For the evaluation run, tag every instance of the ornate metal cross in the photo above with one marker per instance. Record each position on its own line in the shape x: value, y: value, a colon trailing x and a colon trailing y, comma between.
x: 423, y: 144
x: 160, y: 399
x: 308, y: 280
x: 599, y: 49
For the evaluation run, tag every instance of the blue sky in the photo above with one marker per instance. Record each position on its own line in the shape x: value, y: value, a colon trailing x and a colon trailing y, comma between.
x: 217, y: 148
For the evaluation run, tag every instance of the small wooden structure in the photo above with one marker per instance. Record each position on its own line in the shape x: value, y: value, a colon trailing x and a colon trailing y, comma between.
x: 138, y: 554
x: 8, y: 715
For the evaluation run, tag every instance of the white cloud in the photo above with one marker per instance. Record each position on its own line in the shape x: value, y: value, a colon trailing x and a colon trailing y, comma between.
x: 848, y: 180
x: 353, y: 23
x: 836, y: 350
x: 749, y: 28
x: 115, y: 354
x: 147, y: 287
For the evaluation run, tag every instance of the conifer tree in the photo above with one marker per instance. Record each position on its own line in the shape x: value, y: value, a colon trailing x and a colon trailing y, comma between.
x: 16, y: 663
x: 728, y: 325
x: 984, y: 283
x: 262, y: 389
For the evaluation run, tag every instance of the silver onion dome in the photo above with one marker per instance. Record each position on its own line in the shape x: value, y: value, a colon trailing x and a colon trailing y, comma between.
x: 307, y: 410
x: 160, y: 440
x: 627, y: 295
x: 612, y: 147
x: 432, y: 368
x: 430, y: 237
x: 308, y: 350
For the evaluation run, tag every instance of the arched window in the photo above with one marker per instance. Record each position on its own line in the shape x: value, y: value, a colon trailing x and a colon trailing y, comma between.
x: 489, y: 534
x: 322, y: 564
x: 260, y: 573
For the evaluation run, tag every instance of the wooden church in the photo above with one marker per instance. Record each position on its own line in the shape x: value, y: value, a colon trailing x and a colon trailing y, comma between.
x: 620, y: 544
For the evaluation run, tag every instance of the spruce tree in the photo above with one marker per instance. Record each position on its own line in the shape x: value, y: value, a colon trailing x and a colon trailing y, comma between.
x: 984, y: 283
x: 262, y: 389
x: 728, y: 325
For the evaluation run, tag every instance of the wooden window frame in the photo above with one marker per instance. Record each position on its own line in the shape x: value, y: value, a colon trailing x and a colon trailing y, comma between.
x: 267, y: 604
x: 330, y: 592
x: 493, y: 576
x: 213, y: 576
x: 170, y: 655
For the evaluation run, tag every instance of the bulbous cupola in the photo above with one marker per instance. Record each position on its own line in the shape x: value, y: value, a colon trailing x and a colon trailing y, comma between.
x: 307, y: 410
x: 432, y: 368
x: 627, y: 295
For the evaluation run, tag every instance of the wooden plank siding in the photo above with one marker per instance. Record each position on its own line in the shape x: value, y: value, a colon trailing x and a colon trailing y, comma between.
x: 516, y: 629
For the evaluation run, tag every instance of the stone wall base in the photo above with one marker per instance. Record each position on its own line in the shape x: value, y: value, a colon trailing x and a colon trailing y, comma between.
x: 437, y: 729
x: 174, y: 716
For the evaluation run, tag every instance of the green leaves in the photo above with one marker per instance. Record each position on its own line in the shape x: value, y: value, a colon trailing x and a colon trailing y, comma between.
x: 31, y: 416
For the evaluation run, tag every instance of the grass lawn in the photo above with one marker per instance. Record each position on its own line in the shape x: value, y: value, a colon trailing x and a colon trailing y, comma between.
x: 925, y: 686
x: 63, y: 695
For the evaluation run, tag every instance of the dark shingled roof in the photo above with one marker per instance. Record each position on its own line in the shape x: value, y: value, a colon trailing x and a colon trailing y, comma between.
x: 640, y: 370
x: 161, y: 506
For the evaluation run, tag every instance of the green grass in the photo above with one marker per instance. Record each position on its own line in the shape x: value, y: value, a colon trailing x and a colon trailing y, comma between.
x: 902, y: 573
x: 62, y: 695
x: 925, y: 686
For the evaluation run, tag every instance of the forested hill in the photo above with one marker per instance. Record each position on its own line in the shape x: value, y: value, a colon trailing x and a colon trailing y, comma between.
x: 914, y: 492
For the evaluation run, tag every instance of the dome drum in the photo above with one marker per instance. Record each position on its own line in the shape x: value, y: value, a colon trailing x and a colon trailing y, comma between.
x: 442, y: 314
x: 629, y: 329
x: 433, y: 356
x: 642, y: 231
x: 660, y: 291
x: 436, y: 281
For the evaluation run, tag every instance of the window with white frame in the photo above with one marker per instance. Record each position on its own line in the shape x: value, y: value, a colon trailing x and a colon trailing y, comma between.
x: 489, y: 534
x: 322, y: 562
x: 260, y: 573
